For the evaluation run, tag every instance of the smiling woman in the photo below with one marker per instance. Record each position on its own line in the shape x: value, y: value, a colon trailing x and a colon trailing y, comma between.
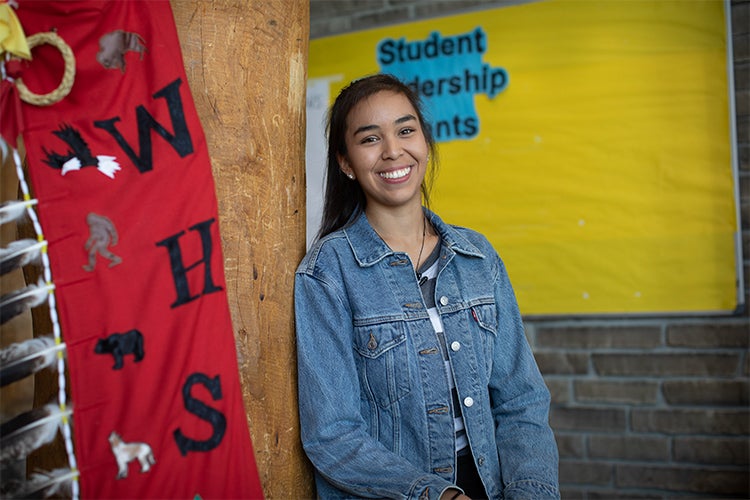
x: 411, y: 352
x: 346, y: 199
x: 386, y: 153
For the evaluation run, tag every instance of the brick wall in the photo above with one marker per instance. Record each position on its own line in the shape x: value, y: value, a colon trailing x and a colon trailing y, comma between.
x: 646, y: 408
x: 649, y: 408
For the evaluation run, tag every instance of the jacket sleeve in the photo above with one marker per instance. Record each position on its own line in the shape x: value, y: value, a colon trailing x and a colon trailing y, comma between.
x: 334, y: 433
x: 520, y: 406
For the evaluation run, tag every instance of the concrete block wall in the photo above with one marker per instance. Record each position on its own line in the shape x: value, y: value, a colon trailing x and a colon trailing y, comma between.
x: 643, y: 408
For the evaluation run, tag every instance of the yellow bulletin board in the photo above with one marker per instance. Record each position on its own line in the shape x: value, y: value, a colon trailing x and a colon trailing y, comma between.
x: 591, y: 142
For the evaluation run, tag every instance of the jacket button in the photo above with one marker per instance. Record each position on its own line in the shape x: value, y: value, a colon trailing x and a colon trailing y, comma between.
x: 468, y: 402
x: 444, y: 300
x: 455, y: 346
x: 481, y: 461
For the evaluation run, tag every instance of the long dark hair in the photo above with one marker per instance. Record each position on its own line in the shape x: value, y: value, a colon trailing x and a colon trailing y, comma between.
x: 344, y: 198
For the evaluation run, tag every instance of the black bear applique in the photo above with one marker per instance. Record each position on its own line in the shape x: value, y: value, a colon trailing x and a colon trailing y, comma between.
x: 120, y: 345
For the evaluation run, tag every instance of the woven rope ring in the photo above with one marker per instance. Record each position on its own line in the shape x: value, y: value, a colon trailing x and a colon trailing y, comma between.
x: 68, y: 76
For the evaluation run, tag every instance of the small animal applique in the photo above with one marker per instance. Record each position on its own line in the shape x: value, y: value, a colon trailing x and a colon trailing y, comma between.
x: 127, y: 452
x: 114, y: 45
x: 121, y: 344
x: 102, y: 234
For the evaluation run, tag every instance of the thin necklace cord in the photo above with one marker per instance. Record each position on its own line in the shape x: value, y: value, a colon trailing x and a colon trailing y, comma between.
x: 421, y: 248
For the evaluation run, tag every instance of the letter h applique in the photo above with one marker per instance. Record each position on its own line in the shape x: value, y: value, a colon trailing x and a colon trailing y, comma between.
x: 179, y: 269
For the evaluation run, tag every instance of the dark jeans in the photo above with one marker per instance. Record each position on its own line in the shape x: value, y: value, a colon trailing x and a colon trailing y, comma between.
x: 468, y: 478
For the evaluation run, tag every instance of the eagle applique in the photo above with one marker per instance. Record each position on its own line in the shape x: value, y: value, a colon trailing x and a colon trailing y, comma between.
x: 79, y: 155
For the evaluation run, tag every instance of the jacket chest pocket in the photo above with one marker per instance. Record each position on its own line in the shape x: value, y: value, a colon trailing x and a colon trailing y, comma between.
x: 384, y: 362
x: 485, y: 319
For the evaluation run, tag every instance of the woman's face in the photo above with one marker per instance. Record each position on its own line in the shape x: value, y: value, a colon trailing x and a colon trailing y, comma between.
x: 386, y: 150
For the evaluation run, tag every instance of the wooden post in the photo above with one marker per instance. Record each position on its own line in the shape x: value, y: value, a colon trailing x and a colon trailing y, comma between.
x: 246, y: 64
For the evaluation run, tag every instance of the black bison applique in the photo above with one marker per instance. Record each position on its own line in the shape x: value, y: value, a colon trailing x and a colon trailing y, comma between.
x: 120, y: 345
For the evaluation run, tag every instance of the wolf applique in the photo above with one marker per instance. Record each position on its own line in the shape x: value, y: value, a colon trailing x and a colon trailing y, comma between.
x: 127, y: 452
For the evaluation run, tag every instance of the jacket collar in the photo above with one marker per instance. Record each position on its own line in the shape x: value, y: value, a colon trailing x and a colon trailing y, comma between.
x: 369, y: 248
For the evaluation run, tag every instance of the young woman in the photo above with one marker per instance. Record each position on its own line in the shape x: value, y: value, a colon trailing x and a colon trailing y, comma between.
x: 415, y: 377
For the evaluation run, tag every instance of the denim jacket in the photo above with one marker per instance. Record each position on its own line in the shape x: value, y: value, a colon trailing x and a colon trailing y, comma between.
x: 374, y: 396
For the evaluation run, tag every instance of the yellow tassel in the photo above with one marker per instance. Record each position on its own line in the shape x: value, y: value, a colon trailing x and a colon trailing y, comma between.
x: 12, y: 38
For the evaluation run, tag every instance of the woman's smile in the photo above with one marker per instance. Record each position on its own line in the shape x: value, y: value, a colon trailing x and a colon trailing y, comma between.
x: 396, y: 175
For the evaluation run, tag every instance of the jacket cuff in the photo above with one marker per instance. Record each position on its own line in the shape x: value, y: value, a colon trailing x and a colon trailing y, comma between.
x: 429, y: 488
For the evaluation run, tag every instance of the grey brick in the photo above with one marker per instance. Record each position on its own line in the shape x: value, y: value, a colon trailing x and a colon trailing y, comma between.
x: 715, y: 481
x: 700, y: 336
x: 743, y: 152
x: 621, y: 495
x: 713, y: 450
x: 601, y: 391
x: 742, y: 86
x: 707, y: 392
x: 570, y: 445
x: 741, y: 49
x: 643, y: 337
x: 591, y: 419
x: 718, y: 365
x: 572, y: 493
x: 743, y: 125
x: 578, y: 472
x: 559, y: 389
x: 740, y: 18
x: 329, y: 8
x: 327, y: 27
x: 742, y: 101
x: 381, y: 18
x: 676, y: 421
x: 628, y: 447
x: 559, y: 363
x: 433, y: 8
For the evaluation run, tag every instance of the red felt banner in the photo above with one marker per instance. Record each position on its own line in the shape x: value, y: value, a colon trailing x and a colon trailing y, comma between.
x: 127, y: 203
